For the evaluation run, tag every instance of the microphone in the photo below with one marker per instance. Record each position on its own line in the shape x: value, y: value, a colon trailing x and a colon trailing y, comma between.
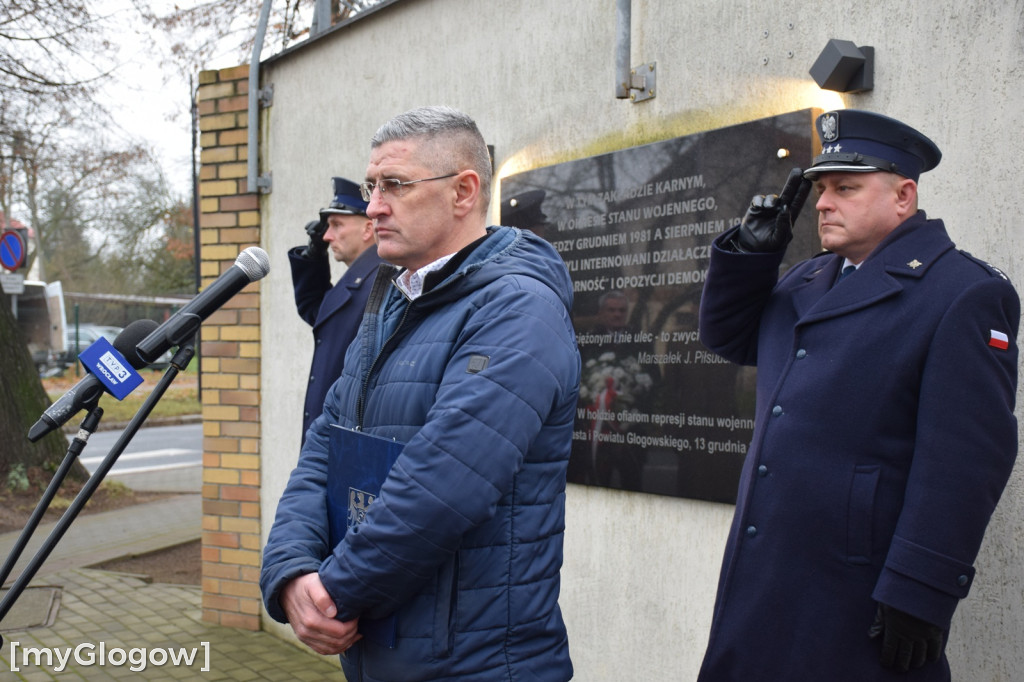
x: 251, y: 265
x: 89, y: 389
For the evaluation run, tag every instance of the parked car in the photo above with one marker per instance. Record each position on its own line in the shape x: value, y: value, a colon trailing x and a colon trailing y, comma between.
x: 75, y: 341
x: 90, y: 333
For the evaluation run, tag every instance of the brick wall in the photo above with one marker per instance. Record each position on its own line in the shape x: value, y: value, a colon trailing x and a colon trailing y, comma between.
x: 230, y: 359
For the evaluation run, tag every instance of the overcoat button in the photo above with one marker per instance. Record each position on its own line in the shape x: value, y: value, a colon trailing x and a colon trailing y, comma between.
x: 961, y: 581
x: 762, y: 470
x: 801, y: 354
x: 751, y: 531
x: 777, y: 410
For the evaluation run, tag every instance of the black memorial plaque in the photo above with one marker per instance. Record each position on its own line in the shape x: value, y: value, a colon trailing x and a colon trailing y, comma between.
x: 658, y: 412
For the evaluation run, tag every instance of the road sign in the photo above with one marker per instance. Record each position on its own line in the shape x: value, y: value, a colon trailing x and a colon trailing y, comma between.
x: 13, y: 284
x: 12, y: 250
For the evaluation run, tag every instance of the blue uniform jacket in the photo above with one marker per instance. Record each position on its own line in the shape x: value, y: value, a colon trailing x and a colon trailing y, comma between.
x: 479, y: 377
x: 884, y: 436
x: 334, y: 312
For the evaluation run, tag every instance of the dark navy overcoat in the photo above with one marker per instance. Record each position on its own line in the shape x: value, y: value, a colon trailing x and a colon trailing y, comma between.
x: 884, y: 436
x: 334, y: 312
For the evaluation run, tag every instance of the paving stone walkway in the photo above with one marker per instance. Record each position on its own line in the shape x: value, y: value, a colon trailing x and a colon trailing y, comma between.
x: 77, y: 623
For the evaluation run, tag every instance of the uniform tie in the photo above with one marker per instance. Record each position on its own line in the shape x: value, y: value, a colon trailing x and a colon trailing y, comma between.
x: 849, y: 269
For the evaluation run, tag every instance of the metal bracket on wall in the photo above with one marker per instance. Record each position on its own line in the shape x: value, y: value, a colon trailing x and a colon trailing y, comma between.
x: 264, y: 183
x: 266, y: 96
x: 642, y: 81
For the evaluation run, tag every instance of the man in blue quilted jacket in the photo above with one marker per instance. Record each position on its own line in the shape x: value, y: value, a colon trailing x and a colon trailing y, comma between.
x: 467, y: 358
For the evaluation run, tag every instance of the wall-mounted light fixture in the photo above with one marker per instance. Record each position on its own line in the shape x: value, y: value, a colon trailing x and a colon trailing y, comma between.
x: 844, y: 67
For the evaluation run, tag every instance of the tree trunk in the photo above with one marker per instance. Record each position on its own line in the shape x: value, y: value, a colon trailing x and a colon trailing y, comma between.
x: 22, y: 401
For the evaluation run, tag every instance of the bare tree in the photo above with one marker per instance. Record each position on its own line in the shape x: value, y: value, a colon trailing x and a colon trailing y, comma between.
x: 22, y: 401
x: 50, y: 49
x: 149, y: 242
x: 167, y: 248
x: 52, y: 58
x: 225, y: 29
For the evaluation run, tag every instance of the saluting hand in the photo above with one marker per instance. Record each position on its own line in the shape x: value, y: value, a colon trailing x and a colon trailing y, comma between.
x: 768, y: 223
x: 317, y: 247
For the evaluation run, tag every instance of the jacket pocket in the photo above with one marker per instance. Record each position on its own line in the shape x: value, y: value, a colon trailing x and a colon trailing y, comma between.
x: 861, y: 513
x: 445, y: 603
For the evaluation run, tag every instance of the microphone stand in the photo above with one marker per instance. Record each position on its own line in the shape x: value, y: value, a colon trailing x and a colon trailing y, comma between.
x: 181, y: 359
x: 88, y: 427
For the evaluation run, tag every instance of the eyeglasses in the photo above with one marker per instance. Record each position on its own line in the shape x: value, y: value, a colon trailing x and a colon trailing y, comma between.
x: 390, y: 185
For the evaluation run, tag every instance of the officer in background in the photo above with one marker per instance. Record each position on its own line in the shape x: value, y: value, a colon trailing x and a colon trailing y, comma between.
x: 885, y: 429
x: 335, y: 311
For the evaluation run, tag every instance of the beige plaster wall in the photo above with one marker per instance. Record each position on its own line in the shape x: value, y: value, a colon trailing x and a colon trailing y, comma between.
x: 538, y: 76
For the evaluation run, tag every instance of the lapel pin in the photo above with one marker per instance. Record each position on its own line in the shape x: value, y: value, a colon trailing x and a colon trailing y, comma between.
x: 915, y: 264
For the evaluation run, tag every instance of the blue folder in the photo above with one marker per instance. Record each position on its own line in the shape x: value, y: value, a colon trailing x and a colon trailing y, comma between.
x: 357, y: 465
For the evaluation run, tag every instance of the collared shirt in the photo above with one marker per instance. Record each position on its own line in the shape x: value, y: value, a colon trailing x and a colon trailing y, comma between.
x: 411, y: 283
x: 847, y: 269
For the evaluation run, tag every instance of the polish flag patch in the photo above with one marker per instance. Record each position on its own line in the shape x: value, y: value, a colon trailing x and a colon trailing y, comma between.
x: 998, y: 340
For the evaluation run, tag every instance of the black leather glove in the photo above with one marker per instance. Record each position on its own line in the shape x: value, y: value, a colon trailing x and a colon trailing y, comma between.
x: 768, y: 224
x: 907, y: 641
x: 317, y: 247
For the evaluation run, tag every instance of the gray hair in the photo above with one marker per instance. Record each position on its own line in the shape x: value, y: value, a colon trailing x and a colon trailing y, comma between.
x: 452, y: 142
x: 611, y: 295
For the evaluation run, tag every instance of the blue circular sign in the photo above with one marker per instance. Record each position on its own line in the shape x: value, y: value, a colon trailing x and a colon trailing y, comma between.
x: 12, y: 250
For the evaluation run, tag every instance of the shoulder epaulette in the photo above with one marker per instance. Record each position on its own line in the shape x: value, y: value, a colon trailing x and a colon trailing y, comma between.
x: 993, y: 270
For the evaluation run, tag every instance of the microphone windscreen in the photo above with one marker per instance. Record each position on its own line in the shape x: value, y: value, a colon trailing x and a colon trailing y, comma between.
x: 129, y: 338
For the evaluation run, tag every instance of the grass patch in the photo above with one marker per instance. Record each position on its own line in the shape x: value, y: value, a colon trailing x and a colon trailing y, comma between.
x: 16, y: 506
x: 181, y: 398
x: 174, y: 403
